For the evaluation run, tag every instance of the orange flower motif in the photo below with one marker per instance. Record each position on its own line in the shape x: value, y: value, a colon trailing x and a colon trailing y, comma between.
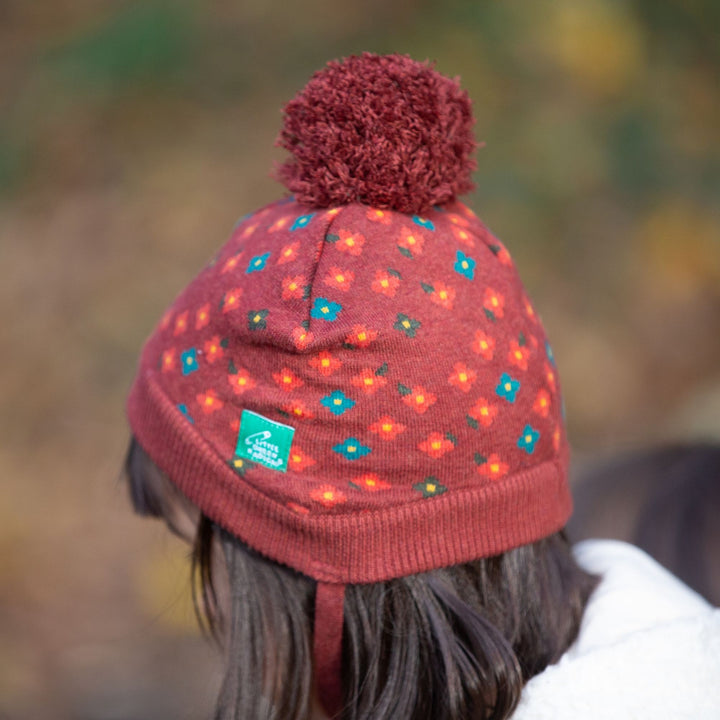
x: 299, y: 509
x: 327, y: 495
x: 529, y: 310
x: 202, y: 316
x: 248, y: 231
x: 443, y: 295
x: 463, y: 236
x: 457, y: 220
x: 381, y: 216
x: 287, y: 379
x: 241, y: 381
x: 385, y: 283
x: 518, y: 355
x: 436, y: 445
x: 209, y: 401
x: 298, y: 460
x: 483, y: 412
x: 339, y: 279
x: 387, y: 428
x: 350, y: 242
x: 293, y: 287
x: 288, y: 253
x: 165, y: 319
x: 298, y: 409
x: 550, y: 376
x: 419, y: 399
x: 231, y: 300
x: 503, y: 255
x: 213, y: 349
x: 494, y: 302
x: 361, y: 336
x: 463, y: 377
x: 280, y: 223
x: 483, y: 345
x: 493, y: 467
x: 168, y: 360
x: 181, y: 323
x: 231, y: 263
x: 542, y: 403
x: 368, y: 381
x: 301, y: 337
x: 325, y: 363
x: 411, y: 241
x: 371, y: 482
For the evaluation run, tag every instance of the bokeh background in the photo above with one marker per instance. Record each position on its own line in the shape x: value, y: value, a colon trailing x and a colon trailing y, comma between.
x: 134, y: 134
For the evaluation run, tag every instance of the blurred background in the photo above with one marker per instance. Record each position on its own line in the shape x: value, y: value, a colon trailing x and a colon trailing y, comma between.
x: 134, y: 134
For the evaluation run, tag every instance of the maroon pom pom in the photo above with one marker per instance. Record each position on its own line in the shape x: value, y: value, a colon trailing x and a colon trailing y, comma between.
x: 385, y: 131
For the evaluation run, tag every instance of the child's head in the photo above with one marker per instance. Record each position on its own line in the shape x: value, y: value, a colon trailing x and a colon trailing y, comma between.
x: 358, y: 395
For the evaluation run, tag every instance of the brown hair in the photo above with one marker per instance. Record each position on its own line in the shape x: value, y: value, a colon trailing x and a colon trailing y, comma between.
x: 458, y: 642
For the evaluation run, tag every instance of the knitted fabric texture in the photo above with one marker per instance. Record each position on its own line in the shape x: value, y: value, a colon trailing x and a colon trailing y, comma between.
x: 414, y: 370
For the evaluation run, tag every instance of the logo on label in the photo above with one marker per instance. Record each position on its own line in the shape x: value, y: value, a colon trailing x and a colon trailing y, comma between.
x: 264, y: 441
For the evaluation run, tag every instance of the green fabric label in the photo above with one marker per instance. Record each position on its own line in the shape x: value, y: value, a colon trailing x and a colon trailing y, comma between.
x: 264, y: 441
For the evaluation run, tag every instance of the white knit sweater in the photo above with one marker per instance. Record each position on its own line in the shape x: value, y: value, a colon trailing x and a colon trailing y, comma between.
x: 649, y: 648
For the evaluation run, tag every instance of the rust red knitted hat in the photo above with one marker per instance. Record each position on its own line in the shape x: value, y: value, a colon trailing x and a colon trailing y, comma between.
x: 357, y: 386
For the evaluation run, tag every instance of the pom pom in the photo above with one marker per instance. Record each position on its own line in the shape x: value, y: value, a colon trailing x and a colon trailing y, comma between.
x: 384, y: 131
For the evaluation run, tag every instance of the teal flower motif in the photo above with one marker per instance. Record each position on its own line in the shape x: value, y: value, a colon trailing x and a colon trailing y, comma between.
x: 257, y: 319
x: 301, y: 221
x: 182, y: 407
x: 257, y: 263
x: 528, y: 439
x: 430, y: 487
x: 464, y: 265
x: 188, y: 360
x: 423, y: 222
x: 351, y: 448
x: 507, y: 388
x: 549, y: 352
x: 337, y: 402
x: 324, y: 309
x: 406, y: 325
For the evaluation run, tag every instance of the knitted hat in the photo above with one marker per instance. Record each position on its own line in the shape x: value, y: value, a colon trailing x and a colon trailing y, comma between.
x: 357, y: 385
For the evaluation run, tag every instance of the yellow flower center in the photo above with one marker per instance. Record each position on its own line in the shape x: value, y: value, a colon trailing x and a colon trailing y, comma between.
x: 420, y: 399
x: 292, y: 286
x: 287, y: 379
x: 351, y: 448
x: 430, y: 487
x: 325, y: 362
x: 361, y: 336
x: 328, y: 495
x: 241, y: 380
x: 340, y: 278
x: 188, y: 361
x: 257, y: 318
x: 483, y: 411
x: 494, y: 468
x: 528, y: 438
x: 370, y: 482
x: 435, y: 444
x: 464, y: 264
x: 462, y: 377
x: 386, y: 427
x: 368, y: 381
x: 518, y: 354
x: 384, y: 283
x: 337, y: 401
x: 350, y: 242
x: 443, y: 295
x: 406, y: 323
